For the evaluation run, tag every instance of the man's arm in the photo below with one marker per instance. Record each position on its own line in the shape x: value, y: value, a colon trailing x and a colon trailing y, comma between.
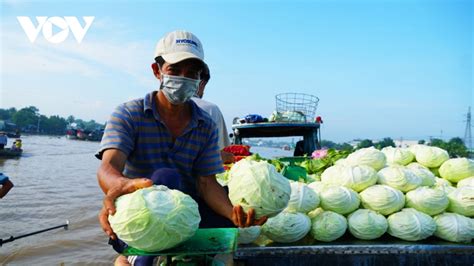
x: 5, y: 188
x: 215, y: 196
x: 110, y: 170
x: 114, y: 184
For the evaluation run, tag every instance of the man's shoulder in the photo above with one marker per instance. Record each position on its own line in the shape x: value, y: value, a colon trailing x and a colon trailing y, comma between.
x: 203, y: 115
x: 203, y: 103
x: 209, y: 107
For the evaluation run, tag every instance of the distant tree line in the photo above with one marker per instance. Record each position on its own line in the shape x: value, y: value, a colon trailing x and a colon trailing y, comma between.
x: 337, y: 146
x: 29, y: 120
x: 455, y: 146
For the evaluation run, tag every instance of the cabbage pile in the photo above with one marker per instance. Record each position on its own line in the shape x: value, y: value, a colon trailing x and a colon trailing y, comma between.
x: 411, y: 194
x: 155, y: 218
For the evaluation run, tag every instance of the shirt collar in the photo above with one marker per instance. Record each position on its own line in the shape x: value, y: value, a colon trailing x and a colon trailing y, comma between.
x: 149, y: 108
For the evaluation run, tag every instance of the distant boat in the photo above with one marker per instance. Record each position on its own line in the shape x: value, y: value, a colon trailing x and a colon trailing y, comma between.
x: 286, y: 147
x: 80, y: 134
x: 7, y: 152
x: 71, y: 134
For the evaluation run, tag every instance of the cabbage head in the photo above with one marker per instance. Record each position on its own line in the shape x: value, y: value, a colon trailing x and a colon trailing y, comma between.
x: 428, y: 200
x: 382, y: 199
x: 339, y: 199
x: 399, y: 156
x: 248, y: 234
x: 444, y: 185
x: 357, y: 178
x: 457, y: 169
x: 411, y: 225
x: 287, y: 227
x: 454, y: 227
x: 415, y: 147
x: 431, y: 157
x: 318, y: 186
x: 466, y: 182
x: 258, y: 185
x: 461, y: 201
x: 399, y: 177
x: 427, y: 177
x: 367, y: 224
x: 328, y: 226
x: 303, y: 199
x: 367, y: 156
x: 155, y: 218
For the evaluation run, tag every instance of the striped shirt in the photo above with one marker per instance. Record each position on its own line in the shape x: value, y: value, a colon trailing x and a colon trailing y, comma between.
x: 136, y: 129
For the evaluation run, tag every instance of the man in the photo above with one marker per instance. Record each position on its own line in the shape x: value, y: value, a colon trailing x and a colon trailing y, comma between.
x: 6, y: 185
x: 216, y: 115
x: 164, y: 138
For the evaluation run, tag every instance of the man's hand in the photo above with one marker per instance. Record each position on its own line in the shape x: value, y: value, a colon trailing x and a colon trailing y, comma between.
x: 124, y: 187
x: 227, y: 157
x: 242, y: 219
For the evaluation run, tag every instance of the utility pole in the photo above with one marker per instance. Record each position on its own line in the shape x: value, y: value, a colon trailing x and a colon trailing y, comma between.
x: 467, y: 132
x: 38, y: 126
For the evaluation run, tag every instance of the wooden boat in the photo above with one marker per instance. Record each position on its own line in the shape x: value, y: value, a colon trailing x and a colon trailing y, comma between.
x: 7, y: 152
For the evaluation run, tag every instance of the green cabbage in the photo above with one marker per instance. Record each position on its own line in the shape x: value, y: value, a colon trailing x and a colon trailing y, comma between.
x: 317, y: 186
x: 328, y: 226
x: 444, y: 185
x: 357, y: 178
x: 457, y: 169
x: 431, y: 157
x: 367, y: 156
x: 399, y: 177
x: 427, y: 177
x: 287, y: 227
x: 367, y: 224
x: 428, y: 200
x: 454, y: 227
x: 461, y: 201
x: 155, y: 218
x: 411, y: 225
x: 399, y: 156
x: 339, y: 199
x: 415, y: 147
x: 248, y: 234
x: 258, y: 185
x: 383, y: 199
x: 303, y: 199
x: 466, y: 182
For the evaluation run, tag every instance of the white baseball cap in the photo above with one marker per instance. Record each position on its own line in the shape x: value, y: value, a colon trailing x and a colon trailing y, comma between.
x: 179, y: 45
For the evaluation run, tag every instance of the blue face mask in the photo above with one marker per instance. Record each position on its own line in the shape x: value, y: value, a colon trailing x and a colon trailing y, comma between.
x: 178, y: 89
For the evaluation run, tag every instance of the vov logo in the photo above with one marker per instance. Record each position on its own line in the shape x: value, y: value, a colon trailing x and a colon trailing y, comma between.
x: 63, y: 23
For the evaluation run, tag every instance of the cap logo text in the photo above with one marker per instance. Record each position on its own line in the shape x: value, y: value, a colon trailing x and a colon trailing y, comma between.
x: 186, y: 41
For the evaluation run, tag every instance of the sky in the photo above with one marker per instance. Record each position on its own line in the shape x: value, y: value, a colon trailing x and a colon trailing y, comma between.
x: 399, y: 69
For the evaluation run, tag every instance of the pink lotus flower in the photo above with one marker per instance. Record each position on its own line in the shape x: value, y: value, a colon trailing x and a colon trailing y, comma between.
x: 319, y: 153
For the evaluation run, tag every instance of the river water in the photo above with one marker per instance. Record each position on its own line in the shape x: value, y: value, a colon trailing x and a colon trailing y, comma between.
x: 55, y: 180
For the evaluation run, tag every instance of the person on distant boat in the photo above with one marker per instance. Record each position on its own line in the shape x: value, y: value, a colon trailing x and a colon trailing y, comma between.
x: 16, y: 146
x: 216, y: 115
x: 6, y: 185
x: 179, y: 139
x: 299, y: 149
x: 3, y: 140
